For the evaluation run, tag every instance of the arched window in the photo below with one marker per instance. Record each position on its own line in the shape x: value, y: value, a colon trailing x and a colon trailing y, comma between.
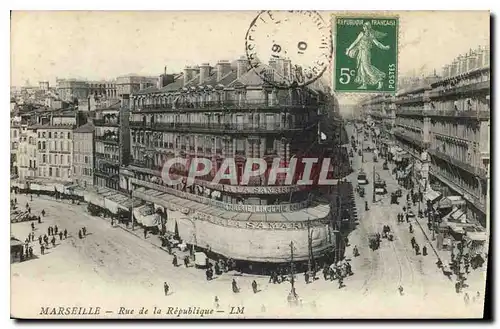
x: 39, y: 145
x: 55, y: 134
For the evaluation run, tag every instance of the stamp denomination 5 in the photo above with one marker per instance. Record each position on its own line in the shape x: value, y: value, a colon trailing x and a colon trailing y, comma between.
x: 366, y: 54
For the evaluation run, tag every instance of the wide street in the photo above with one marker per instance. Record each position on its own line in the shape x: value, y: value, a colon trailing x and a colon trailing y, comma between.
x: 112, y: 267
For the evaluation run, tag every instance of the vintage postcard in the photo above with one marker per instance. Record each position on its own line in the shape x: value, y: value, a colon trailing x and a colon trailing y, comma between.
x: 242, y: 165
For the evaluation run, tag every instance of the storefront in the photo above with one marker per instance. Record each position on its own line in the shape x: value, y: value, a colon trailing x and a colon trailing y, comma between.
x: 258, y: 235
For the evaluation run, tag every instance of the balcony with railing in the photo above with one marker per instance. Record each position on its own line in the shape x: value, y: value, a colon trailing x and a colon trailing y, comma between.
x: 219, y: 127
x: 107, y: 140
x: 227, y: 104
x: 111, y: 159
x: 106, y: 123
x: 464, y: 90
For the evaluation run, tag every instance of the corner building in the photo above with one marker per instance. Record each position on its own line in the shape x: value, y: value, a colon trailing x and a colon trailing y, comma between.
x: 228, y: 111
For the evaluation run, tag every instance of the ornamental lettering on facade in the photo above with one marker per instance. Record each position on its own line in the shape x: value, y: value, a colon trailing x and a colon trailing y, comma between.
x: 254, y: 225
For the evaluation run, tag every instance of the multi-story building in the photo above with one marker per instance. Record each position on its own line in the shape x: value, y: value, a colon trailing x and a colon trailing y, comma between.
x: 459, y: 114
x: 15, y: 137
x: 71, y: 89
x: 44, y: 85
x: 104, y: 89
x: 443, y: 123
x: 107, y: 146
x: 230, y: 112
x: 55, y: 147
x: 26, y: 155
x: 83, y: 155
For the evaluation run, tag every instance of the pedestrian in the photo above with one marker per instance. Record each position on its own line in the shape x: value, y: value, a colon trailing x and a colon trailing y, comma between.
x: 407, y: 218
x: 411, y: 228
x: 53, y: 241
x: 174, y: 261
x: 32, y: 226
x: 424, y: 251
x: 49, y: 229
x: 366, y: 205
x: 457, y: 287
x: 65, y: 234
x: 60, y: 236
x: 40, y: 239
x: 404, y: 209
x: 43, y: 212
x: 254, y: 287
x: 217, y: 268
x: 306, y: 276
x: 145, y: 233
x: 39, y: 220
x: 31, y: 252
x: 417, y: 249
x: 42, y: 249
x: 400, y: 289
x: 80, y: 234
x: 15, y: 200
x: 186, y: 261
x: 46, y: 239
x: 235, y: 286
x: 31, y: 197
x: 166, y: 288
x: 341, y: 281
x: 466, y: 299
x: 55, y: 229
x: 29, y: 210
x: 84, y: 231
x: 27, y: 205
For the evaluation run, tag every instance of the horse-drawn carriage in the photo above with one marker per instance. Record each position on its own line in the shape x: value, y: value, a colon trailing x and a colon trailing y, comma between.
x: 380, y: 186
x: 360, y: 190
x: 374, y: 241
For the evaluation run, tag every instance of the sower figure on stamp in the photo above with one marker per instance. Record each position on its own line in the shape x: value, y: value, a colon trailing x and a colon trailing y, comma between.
x: 367, y: 74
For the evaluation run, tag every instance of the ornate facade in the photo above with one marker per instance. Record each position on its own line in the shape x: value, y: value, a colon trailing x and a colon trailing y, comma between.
x: 229, y: 112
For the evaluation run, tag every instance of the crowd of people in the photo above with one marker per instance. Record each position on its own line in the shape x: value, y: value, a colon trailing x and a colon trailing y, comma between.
x: 47, y: 240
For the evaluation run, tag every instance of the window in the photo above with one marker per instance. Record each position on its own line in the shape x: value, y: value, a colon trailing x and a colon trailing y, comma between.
x: 50, y: 171
x: 86, y: 159
x: 38, y: 134
x: 55, y: 145
x: 61, y: 146
x: 55, y: 134
x: 43, y: 145
x: 57, y: 172
x: 39, y: 145
x: 44, y: 158
x: 68, y: 158
x: 69, y: 135
x: 62, y: 160
x: 43, y: 134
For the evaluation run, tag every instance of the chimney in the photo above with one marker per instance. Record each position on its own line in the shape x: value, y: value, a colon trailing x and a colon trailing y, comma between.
x: 241, y: 66
x: 223, y: 68
x: 204, y: 72
x: 287, y: 68
x: 187, y: 74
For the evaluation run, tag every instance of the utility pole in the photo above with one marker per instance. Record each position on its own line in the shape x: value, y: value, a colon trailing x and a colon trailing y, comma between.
x: 309, y: 245
x: 132, y: 210
x: 373, y: 184
x: 292, y: 279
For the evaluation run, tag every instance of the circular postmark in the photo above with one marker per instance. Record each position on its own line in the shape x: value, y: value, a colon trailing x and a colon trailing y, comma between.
x: 297, y: 44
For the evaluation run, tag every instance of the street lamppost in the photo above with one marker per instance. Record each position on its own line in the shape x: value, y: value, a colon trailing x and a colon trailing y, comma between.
x: 373, y: 183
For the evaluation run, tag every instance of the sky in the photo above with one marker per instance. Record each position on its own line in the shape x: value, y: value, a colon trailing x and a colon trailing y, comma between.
x: 94, y: 45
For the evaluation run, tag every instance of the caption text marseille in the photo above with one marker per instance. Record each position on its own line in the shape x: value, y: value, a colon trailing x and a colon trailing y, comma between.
x: 254, y: 167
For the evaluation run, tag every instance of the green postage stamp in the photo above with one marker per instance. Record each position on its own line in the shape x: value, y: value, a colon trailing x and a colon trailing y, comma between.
x: 366, y: 54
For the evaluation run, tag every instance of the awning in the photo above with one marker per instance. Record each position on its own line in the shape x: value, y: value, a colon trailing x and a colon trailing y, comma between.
x: 432, y: 196
x: 458, y: 215
x: 477, y: 236
x: 451, y: 201
x: 456, y: 228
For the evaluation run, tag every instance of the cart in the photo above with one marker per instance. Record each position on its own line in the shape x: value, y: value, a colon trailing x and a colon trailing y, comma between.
x: 374, y: 241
